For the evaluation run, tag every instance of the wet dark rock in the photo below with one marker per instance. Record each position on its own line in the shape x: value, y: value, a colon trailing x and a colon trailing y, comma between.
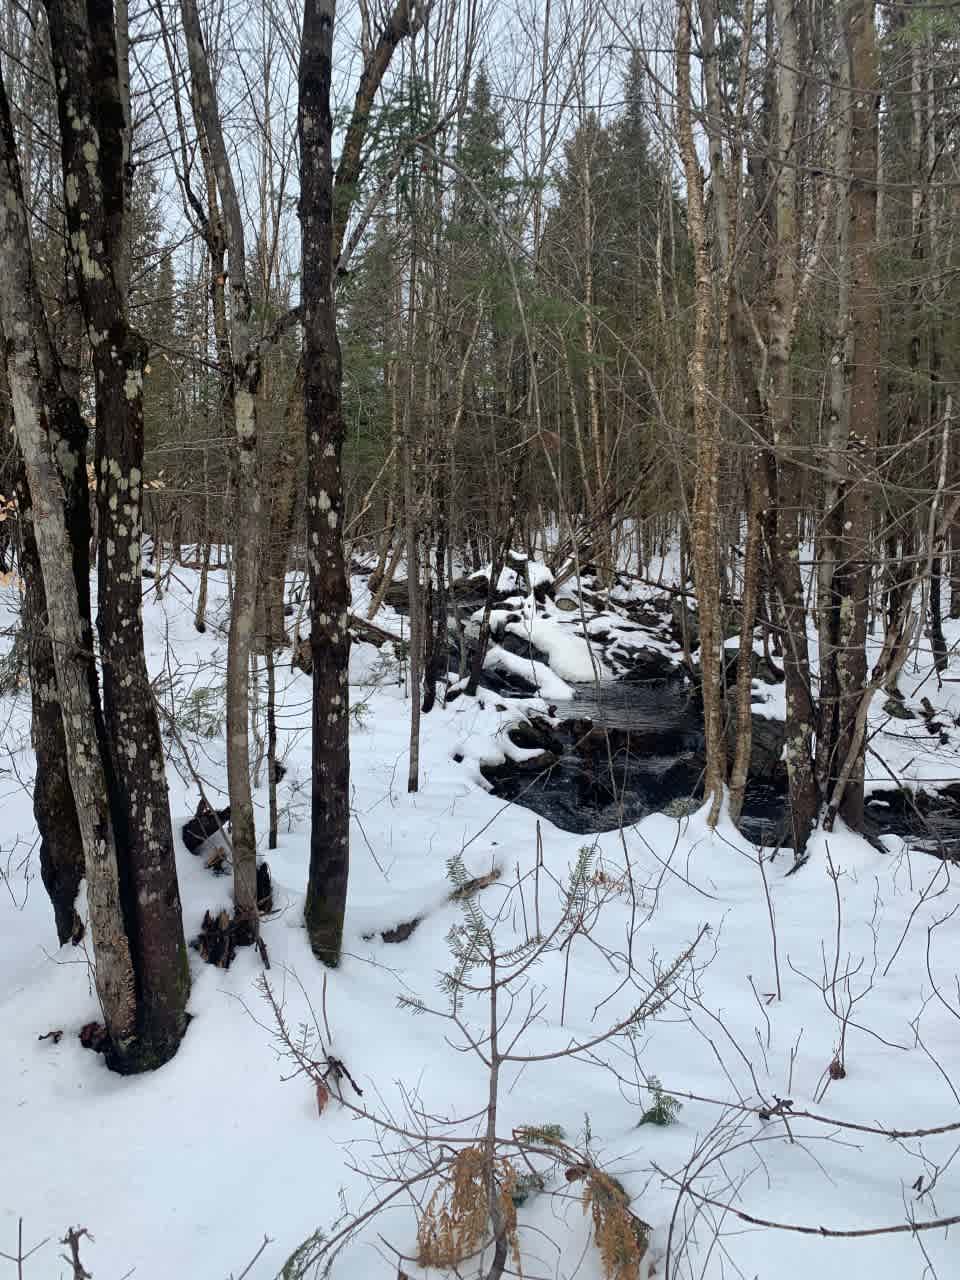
x: 760, y: 669
x: 766, y: 748
x: 638, y: 665
x: 509, y: 684
x: 217, y: 940
x: 643, y: 753
x: 467, y: 594
x: 522, y: 647
x: 400, y: 932
x: 895, y: 707
x: 509, y: 769
x: 647, y: 617
x: 205, y: 823
x: 638, y: 752
x: 535, y: 734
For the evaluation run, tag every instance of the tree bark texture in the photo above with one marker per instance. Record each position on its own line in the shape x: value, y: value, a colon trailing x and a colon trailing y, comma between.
x: 324, y: 427
x: 54, y: 807
x: 240, y: 370
x: 784, y: 472
x: 854, y: 573
x: 31, y: 375
x: 92, y: 127
x: 707, y: 436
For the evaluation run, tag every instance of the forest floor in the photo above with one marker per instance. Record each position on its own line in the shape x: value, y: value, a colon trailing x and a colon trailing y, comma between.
x: 852, y: 960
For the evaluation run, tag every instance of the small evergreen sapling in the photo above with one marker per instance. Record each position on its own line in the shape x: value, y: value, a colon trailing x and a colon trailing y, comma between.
x: 664, y: 1108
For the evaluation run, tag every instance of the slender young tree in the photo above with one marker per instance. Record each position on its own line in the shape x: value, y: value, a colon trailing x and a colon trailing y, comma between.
x: 325, y: 204
x: 854, y: 572
x: 241, y: 367
x: 706, y: 427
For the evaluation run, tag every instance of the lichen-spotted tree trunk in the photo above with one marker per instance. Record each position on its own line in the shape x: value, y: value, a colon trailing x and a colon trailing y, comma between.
x: 32, y: 377
x: 324, y: 209
x: 324, y: 425
x: 286, y: 494
x: 94, y: 153
x: 240, y: 369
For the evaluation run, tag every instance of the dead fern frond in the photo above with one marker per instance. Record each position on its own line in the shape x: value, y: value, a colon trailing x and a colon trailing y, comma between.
x: 456, y: 1222
x: 620, y: 1235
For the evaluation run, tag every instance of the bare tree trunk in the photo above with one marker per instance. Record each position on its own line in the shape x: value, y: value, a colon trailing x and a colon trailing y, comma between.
x: 830, y: 540
x: 93, y: 147
x: 854, y: 574
x: 272, y: 746
x: 200, y: 616
x: 955, y: 570
x: 242, y: 378
x: 324, y: 425
x: 411, y: 514
x: 707, y: 433
x: 437, y: 620
x: 753, y: 549
x: 54, y: 807
x: 397, y: 25
x: 285, y: 495
x: 324, y: 210
x: 32, y: 374
x: 785, y: 481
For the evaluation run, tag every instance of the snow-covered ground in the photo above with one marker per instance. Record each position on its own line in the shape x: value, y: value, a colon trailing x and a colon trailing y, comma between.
x: 183, y: 1172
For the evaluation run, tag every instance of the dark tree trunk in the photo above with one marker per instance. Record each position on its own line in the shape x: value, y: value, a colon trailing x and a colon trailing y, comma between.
x: 95, y: 152
x: 61, y: 843
x: 324, y: 428
x: 41, y: 407
x: 324, y: 210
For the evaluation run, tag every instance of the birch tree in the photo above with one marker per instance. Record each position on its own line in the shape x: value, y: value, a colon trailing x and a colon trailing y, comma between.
x: 240, y: 368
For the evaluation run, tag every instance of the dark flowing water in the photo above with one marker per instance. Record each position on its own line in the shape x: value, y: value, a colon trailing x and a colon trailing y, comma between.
x: 626, y: 750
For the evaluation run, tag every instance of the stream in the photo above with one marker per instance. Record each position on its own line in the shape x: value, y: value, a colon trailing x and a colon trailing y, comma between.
x: 626, y: 750
x: 634, y: 745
